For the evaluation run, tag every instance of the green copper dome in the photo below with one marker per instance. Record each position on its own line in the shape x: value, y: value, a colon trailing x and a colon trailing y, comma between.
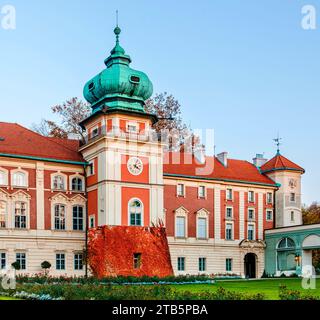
x: 118, y: 86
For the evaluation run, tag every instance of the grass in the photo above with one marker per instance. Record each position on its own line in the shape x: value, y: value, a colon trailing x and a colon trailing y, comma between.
x: 8, y: 298
x: 269, y: 287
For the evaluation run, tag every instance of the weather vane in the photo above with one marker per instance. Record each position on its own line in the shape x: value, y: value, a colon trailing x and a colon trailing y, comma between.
x: 278, y: 143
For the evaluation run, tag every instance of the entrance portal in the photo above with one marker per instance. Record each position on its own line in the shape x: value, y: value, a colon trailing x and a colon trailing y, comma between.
x: 250, y: 265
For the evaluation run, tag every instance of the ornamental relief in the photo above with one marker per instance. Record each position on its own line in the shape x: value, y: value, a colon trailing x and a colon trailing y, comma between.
x: 203, y: 213
x: 20, y: 196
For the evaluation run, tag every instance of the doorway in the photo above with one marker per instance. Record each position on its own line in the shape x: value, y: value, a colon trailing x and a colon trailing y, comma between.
x: 250, y: 265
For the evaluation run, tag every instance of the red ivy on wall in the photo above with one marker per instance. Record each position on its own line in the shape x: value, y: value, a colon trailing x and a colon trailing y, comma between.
x: 111, y: 250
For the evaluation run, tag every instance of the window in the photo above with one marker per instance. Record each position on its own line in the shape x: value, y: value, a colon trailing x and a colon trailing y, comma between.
x: 137, y: 261
x: 78, y: 261
x: 132, y: 128
x: 3, y: 178
x: 180, y: 190
x: 60, y: 261
x: 202, y: 192
x: 292, y: 197
x: 19, y: 179
x: 229, y: 213
x: 292, y: 216
x: 251, y: 196
x: 77, y: 184
x: 180, y: 227
x: 229, y: 194
x: 3, y: 260
x: 21, y: 259
x: 202, y: 228
x: 92, y: 222
x: 229, y: 231
x: 3, y: 214
x: 77, y: 218
x: 286, y: 243
x: 269, y: 215
x: 20, y: 215
x: 58, y: 183
x: 94, y: 132
x: 269, y: 198
x: 135, y: 211
x: 202, y: 264
x: 228, y: 265
x: 90, y: 169
x: 60, y: 217
x: 251, y: 214
x: 181, y: 263
x: 251, y: 232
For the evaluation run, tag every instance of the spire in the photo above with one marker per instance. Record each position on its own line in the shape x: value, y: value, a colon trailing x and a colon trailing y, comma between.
x: 278, y: 143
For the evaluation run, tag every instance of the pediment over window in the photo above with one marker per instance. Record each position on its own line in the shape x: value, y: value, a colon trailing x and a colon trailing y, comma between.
x: 78, y: 199
x: 20, y: 196
x: 4, y: 195
x: 181, y: 211
x: 203, y: 212
x: 60, y: 197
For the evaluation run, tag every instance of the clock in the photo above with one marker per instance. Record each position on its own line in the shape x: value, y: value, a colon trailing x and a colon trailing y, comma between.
x: 135, y: 166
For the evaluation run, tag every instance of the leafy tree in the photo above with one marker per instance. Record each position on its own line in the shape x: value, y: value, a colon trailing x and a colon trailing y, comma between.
x: 71, y: 113
x: 16, y: 265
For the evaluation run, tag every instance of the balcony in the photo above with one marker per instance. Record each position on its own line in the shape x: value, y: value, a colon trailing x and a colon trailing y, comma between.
x: 118, y: 133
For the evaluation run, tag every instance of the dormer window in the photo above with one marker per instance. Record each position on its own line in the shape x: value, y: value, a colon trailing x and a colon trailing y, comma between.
x: 135, y: 79
x: 91, y: 86
x: 58, y: 183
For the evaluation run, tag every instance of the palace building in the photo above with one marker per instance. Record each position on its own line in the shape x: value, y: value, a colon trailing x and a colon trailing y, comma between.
x: 242, y: 218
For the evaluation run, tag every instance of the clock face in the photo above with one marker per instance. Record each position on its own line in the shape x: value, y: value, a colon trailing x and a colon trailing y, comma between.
x: 135, y: 166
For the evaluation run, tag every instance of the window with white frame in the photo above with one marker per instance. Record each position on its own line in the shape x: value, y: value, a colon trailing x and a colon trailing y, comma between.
x: 20, y: 215
x: 78, y: 218
x: 251, y: 196
x: 269, y: 214
x: 229, y: 194
x: 3, y: 260
x: 202, y: 228
x: 292, y: 197
x: 19, y: 179
x: 92, y: 223
x: 229, y: 212
x: 132, y: 127
x: 3, y: 178
x: 229, y: 231
x: 90, y: 168
x: 269, y: 198
x: 77, y: 184
x: 58, y: 182
x: 21, y: 259
x: 202, y: 191
x: 181, y: 263
x: 202, y: 264
x: 292, y: 216
x: 60, y: 217
x: 251, y: 233
x: 180, y: 190
x: 180, y: 227
x: 250, y: 214
x: 94, y: 132
x: 60, y: 261
x: 78, y: 261
x: 3, y: 214
x: 135, y: 213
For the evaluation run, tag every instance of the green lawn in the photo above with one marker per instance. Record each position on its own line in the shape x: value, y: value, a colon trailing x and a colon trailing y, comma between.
x: 269, y: 287
x: 7, y: 298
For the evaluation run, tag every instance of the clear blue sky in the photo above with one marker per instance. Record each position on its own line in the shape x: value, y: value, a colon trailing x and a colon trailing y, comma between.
x: 245, y: 68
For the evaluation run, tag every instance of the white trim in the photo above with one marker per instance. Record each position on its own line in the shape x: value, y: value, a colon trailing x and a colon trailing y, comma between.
x: 77, y: 175
x: 142, y: 212
x: 6, y: 177
x: 26, y: 177
x: 65, y: 180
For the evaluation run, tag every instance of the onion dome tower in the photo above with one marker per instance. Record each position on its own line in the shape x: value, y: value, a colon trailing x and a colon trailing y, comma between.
x: 118, y: 87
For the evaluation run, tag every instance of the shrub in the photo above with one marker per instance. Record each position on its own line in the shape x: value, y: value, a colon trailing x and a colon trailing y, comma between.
x: 287, y: 294
x: 16, y: 265
x: 45, y: 265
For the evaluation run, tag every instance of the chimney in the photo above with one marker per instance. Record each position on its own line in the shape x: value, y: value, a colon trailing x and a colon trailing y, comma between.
x: 199, y: 153
x: 223, y: 158
x: 259, y: 160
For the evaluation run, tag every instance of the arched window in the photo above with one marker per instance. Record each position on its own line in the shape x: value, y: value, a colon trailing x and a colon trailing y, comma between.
x: 19, y: 179
x: 286, y: 243
x: 77, y: 184
x: 77, y: 212
x: 58, y: 183
x: 20, y: 215
x: 3, y: 215
x: 3, y: 178
x: 135, y: 212
x: 60, y: 217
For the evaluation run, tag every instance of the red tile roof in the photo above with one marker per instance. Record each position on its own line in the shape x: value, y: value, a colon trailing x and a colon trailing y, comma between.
x: 21, y: 141
x: 236, y: 170
x: 280, y: 162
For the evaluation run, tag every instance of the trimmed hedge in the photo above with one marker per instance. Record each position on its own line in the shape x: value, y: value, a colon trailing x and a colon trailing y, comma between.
x: 109, y: 292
